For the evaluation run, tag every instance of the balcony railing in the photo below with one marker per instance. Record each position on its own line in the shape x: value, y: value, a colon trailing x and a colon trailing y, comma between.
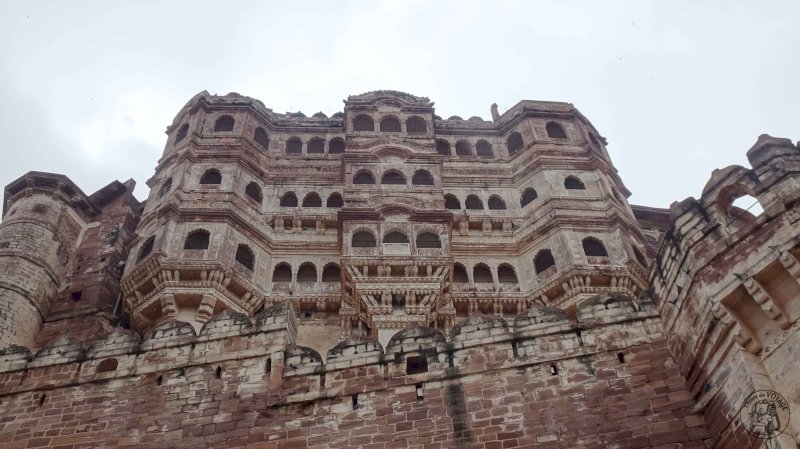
x: 396, y: 249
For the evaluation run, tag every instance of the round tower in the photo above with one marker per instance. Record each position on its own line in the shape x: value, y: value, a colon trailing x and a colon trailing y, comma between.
x: 43, y: 217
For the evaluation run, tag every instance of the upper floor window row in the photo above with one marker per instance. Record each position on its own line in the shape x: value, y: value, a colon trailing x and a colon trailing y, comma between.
x: 315, y: 145
x: 394, y: 177
x: 390, y: 124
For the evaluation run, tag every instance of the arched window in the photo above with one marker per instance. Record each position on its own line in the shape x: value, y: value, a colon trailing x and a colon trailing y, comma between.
x: 334, y: 200
x: 146, y: 249
x: 573, y: 183
x: 451, y: 202
x: 514, y: 142
x: 416, y: 125
x: 393, y: 178
x: 506, y: 274
x: 245, y: 256
x: 481, y: 274
x: 463, y: 148
x: 261, y: 138
x: 460, y: 274
x: 527, y: 196
x: 555, y: 131
x: 312, y: 200
x: 254, y: 192
x: 294, y: 145
x: 390, y: 125
x: 331, y: 273
x: 395, y: 237
x: 363, y: 239
x: 336, y: 146
x: 443, y: 147
x: 307, y: 273
x: 363, y: 177
x: 422, y: 178
x: 428, y: 240
x: 182, y: 132
x: 484, y: 149
x: 496, y: 203
x: 316, y: 146
x: 282, y: 273
x: 197, y: 239
x: 165, y: 187
x: 593, y: 247
x: 289, y: 199
x: 543, y: 260
x: 363, y: 123
x: 211, y: 177
x: 224, y: 123
x: 473, y: 203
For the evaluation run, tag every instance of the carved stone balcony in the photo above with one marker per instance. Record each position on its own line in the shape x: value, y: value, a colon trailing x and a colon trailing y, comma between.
x: 396, y: 249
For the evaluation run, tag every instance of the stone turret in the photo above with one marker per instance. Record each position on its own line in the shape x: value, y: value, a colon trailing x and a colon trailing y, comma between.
x: 44, y: 216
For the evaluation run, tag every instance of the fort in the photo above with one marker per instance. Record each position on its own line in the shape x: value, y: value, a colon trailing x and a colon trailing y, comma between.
x: 385, y: 278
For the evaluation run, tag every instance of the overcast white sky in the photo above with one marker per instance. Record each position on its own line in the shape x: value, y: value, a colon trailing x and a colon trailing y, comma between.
x: 678, y: 88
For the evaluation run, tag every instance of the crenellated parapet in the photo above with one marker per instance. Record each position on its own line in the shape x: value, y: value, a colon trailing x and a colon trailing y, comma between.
x: 728, y: 283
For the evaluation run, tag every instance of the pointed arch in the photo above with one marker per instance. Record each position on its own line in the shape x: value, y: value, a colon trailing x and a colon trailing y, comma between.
x: 496, y: 203
x: 224, y: 124
x: 307, y: 273
x: 363, y: 239
x: 294, y: 146
x: 543, y: 260
x: 514, y: 142
x: 460, y: 274
x: 528, y: 196
x: 416, y: 125
x: 443, y: 147
x: 261, y: 138
x: 390, y: 124
x: 253, y: 191
x: 574, y: 183
x: 393, y: 177
x: 484, y: 149
x: 312, y: 200
x: 555, y: 131
x: 182, y: 132
x: 422, y: 178
x: 316, y: 146
x: 363, y: 122
x: 364, y: 177
x: 473, y: 203
x: 428, y: 240
x: 197, y: 239
x: 451, y: 202
x: 593, y: 247
x: 212, y: 176
x: 282, y: 273
x: 336, y: 146
x: 331, y: 273
x: 334, y: 200
x: 165, y: 188
x: 289, y: 199
x: 146, y: 248
x: 506, y: 274
x: 481, y: 274
x: 245, y: 256
x: 463, y: 148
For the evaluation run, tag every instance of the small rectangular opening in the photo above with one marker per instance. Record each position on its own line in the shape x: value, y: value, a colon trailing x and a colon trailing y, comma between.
x: 553, y: 369
x: 354, y: 401
x: 419, y: 392
x: 416, y: 364
x: 76, y: 295
x: 621, y: 357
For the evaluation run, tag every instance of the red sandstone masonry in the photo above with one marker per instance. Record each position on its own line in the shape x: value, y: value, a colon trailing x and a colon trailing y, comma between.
x: 165, y: 392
